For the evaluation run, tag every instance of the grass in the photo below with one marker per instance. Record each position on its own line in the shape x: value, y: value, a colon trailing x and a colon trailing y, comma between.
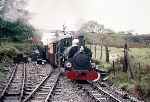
x: 141, y: 75
x: 20, y: 47
x: 140, y: 54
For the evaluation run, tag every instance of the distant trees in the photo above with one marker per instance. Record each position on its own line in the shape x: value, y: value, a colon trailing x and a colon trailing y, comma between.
x: 91, y: 27
x: 15, y: 31
x: 96, y: 35
x: 14, y: 24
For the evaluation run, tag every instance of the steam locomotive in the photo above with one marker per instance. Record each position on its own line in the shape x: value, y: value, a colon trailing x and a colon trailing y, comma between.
x: 80, y: 67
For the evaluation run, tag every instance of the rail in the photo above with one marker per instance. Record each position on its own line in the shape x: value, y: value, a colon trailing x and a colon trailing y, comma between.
x: 9, y: 82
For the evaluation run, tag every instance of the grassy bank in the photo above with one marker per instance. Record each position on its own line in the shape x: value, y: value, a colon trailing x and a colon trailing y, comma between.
x: 140, y: 66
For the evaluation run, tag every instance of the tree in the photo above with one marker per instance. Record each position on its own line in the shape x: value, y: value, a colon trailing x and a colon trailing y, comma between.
x: 94, y: 31
x: 106, y: 39
x: 14, y: 20
x: 107, y: 53
x: 16, y: 31
x: 91, y: 26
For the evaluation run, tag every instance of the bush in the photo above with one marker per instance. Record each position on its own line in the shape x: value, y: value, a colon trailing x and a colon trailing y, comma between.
x: 7, y: 53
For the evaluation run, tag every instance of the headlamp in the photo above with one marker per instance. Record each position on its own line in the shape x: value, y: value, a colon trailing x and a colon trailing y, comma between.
x: 68, y: 64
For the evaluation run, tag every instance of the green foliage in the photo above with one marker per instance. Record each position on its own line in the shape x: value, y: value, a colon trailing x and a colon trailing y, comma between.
x: 15, y: 31
x: 7, y: 52
x: 22, y: 47
x: 141, y: 54
x: 121, y: 79
x: 145, y: 85
x: 13, y: 37
x: 141, y: 71
x: 139, y: 62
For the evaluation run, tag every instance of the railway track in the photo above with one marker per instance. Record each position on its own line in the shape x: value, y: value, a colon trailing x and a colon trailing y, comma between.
x: 3, y: 82
x: 30, y: 80
x: 41, y: 83
x: 109, y: 93
x: 94, y: 93
x: 34, y: 75
x: 116, y: 93
x: 43, y: 90
x: 67, y: 91
x: 13, y: 89
x: 103, y: 93
x: 22, y: 81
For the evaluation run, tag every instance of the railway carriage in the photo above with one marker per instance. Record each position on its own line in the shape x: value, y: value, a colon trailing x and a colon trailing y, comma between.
x: 55, y: 49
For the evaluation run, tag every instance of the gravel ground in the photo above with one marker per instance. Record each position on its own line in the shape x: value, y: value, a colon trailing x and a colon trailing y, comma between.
x: 66, y: 91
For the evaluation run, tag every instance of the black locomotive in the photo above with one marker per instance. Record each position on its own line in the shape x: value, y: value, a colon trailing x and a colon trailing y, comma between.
x: 79, y: 67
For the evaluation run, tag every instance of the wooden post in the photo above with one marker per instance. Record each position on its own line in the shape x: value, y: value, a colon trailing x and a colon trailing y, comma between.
x: 114, y: 68
x: 139, y: 77
x: 135, y: 70
x: 125, y: 64
x: 107, y: 53
x: 90, y: 46
x: 101, y: 55
x: 139, y: 66
x: 95, y: 50
x: 130, y: 72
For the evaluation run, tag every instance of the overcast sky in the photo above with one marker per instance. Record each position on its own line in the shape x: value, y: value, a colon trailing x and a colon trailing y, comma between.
x: 114, y: 14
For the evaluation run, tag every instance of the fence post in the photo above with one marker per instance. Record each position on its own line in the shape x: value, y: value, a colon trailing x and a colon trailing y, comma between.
x: 114, y: 68
x: 130, y: 72
x: 107, y: 53
x: 125, y: 64
x: 90, y: 46
x: 95, y: 50
x: 101, y: 54
x: 139, y: 72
